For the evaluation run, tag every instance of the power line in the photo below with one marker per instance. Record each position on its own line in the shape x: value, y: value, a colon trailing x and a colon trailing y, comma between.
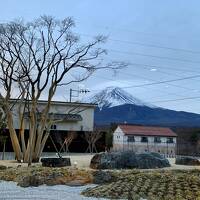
x: 147, y: 78
x: 145, y: 33
x: 148, y: 45
x: 156, y: 46
x: 167, y: 81
x: 169, y: 100
x: 154, y: 56
x: 169, y: 93
x: 159, y: 82
x: 164, y: 67
x: 180, y: 99
x: 155, y: 66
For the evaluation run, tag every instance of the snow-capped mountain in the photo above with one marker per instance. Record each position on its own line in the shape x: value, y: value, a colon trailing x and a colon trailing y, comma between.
x: 117, y: 106
x: 114, y: 96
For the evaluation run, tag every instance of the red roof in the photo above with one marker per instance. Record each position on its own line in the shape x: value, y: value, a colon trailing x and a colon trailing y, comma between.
x: 147, y: 130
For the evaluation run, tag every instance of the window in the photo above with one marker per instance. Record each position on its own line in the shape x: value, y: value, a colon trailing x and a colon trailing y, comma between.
x: 131, y: 138
x: 170, y: 140
x: 157, y: 140
x: 144, y: 139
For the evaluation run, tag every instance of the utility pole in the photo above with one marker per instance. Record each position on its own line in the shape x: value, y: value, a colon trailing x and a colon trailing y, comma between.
x: 78, y: 91
x: 70, y: 95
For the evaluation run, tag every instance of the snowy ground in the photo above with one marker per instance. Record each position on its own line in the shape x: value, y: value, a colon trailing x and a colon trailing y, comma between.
x: 10, y: 191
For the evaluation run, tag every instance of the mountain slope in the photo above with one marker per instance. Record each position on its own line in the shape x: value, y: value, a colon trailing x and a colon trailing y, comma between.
x: 117, y: 106
x: 129, y: 113
x: 114, y: 96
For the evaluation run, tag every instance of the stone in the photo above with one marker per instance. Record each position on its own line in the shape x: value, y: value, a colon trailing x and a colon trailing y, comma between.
x: 151, y: 161
x: 128, y: 160
x: 75, y: 183
x: 2, y: 167
x: 32, y: 180
x: 187, y: 160
x: 55, y: 162
x: 100, y: 177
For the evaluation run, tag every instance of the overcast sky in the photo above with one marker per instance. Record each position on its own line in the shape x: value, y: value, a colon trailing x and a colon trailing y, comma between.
x: 159, y: 38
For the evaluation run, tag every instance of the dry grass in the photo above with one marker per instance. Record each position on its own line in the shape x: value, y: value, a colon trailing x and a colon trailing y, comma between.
x: 151, y: 185
x: 48, y: 175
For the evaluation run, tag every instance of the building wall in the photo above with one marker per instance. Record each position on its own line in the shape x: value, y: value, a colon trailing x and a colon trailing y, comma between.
x: 120, y: 143
x: 86, y: 111
x: 118, y: 136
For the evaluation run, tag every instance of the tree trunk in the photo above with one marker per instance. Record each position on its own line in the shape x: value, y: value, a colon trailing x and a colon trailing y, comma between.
x: 32, y: 134
x: 21, y: 133
x: 43, y: 142
x: 43, y: 124
x: 14, y: 138
x: 4, y: 149
x: 39, y: 140
x: 22, y: 106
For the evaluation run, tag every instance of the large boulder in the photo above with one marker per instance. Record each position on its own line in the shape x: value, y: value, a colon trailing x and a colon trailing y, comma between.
x: 187, y: 160
x: 128, y: 160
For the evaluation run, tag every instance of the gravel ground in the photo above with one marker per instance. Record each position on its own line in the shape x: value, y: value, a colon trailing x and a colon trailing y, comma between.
x: 82, y: 160
x: 10, y: 191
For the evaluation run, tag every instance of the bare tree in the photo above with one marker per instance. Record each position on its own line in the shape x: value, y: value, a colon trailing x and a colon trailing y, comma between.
x: 68, y: 140
x: 92, y: 138
x: 3, y: 137
x: 35, y: 59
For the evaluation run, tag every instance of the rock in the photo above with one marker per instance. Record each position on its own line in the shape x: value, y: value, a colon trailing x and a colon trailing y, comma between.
x: 75, y: 183
x: 128, y: 160
x: 187, y: 160
x: 32, y: 180
x: 157, y: 155
x: 151, y: 161
x: 100, y: 177
x: 55, y: 162
x: 2, y: 167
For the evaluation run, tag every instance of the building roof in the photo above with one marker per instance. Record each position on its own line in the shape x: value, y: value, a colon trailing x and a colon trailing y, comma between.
x: 147, y: 130
x: 78, y: 104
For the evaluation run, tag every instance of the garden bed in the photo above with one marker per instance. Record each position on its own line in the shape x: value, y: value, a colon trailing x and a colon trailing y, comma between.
x: 38, y: 175
x: 151, y: 185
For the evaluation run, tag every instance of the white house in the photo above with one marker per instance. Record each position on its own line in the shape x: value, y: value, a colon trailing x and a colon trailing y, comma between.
x: 71, y: 116
x: 68, y: 116
x: 144, y: 138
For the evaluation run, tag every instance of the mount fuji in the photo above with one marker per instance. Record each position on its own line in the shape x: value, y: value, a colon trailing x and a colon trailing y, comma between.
x: 117, y: 106
x: 114, y: 96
